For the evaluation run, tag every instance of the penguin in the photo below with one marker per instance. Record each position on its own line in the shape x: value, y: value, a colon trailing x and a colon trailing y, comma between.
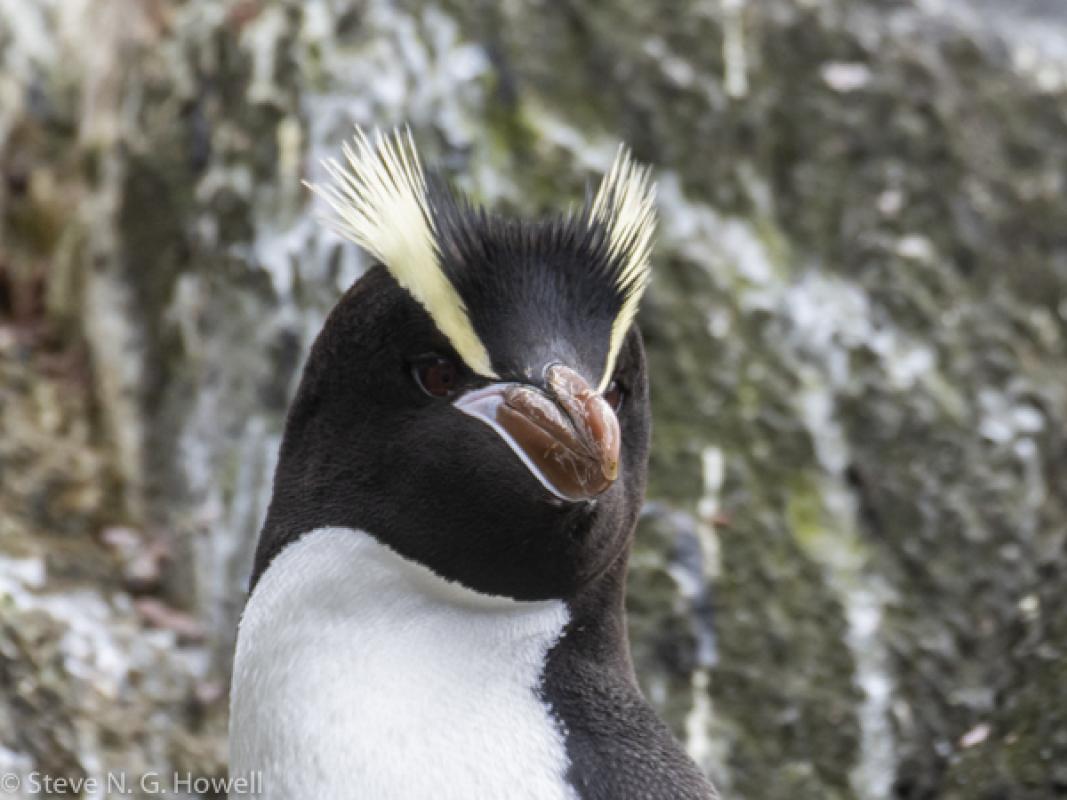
x: 436, y: 604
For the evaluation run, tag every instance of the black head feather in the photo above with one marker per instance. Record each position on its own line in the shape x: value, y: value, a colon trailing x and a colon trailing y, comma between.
x: 536, y: 291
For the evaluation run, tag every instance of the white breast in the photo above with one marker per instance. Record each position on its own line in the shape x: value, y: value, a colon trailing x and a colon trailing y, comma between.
x: 360, y: 674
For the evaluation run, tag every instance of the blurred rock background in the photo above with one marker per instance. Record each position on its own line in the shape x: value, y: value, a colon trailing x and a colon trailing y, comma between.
x: 850, y: 579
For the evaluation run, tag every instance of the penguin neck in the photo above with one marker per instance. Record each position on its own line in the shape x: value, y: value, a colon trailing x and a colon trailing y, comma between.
x: 595, y: 635
x: 597, y: 630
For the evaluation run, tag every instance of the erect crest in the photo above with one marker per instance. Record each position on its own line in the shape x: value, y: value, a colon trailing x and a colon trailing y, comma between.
x: 480, y: 276
x: 382, y: 205
x: 625, y: 205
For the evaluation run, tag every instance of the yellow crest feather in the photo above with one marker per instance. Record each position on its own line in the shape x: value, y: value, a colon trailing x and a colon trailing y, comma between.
x: 380, y: 198
x: 625, y: 205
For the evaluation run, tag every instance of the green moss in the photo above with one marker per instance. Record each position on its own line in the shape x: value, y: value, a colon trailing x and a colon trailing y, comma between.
x: 786, y: 676
x: 804, y: 510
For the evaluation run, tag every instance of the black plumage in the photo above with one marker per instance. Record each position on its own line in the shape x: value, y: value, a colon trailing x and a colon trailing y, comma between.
x: 534, y: 289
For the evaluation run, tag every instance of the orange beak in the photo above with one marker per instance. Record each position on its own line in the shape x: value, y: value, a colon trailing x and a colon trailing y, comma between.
x: 568, y: 438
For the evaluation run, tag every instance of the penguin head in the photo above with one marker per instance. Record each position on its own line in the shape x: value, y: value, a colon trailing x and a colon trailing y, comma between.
x: 478, y: 401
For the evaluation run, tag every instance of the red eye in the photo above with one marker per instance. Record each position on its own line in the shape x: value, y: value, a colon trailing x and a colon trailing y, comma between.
x: 614, y: 395
x: 438, y: 377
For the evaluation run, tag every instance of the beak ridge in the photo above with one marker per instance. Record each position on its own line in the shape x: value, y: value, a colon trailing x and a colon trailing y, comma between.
x: 570, y: 440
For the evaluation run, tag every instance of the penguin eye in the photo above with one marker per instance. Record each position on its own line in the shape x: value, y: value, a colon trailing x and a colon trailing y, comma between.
x: 436, y: 376
x: 614, y: 395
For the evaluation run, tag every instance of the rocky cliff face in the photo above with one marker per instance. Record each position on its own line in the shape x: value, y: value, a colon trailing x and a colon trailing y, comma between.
x: 849, y: 576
